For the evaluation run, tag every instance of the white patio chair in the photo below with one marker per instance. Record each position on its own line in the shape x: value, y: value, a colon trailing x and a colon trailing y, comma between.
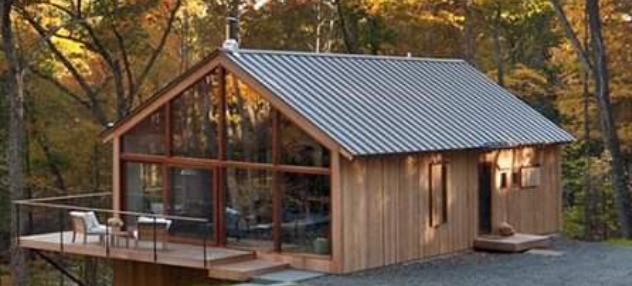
x: 86, y: 224
x: 147, y: 228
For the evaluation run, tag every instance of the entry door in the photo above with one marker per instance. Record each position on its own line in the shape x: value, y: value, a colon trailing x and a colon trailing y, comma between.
x: 484, y: 198
x: 192, y: 194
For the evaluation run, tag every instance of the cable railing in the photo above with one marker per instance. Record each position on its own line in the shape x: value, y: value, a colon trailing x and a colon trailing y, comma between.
x: 89, y: 220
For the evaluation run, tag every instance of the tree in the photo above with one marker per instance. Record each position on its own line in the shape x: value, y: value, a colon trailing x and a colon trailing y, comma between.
x: 594, y: 61
x: 99, y: 28
x: 15, y: 92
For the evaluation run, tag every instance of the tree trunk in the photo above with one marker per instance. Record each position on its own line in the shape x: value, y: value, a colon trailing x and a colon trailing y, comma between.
x: 469, y: 40
x: 346, y: 36
x: 608, y: 126
x: 15, y: 85
x: 590, y: 202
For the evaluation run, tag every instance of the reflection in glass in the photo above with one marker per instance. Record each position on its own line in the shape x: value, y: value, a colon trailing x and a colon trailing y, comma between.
x: 148, y: 136
x: 248, y: 122
x: 306, y: 213
x: 191, y: 195
x: 143, y: 189
x: 249, y: 208
x: 298, y: 148
x: 194, y: 120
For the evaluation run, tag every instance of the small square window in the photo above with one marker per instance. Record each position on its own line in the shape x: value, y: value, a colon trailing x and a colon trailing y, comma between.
x: 530, y: 177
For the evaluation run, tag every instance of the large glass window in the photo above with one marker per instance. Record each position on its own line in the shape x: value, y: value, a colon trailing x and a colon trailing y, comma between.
x: 143, y: 188
x: 248, y: 122
x: 193, y: 131
x: 191, y: 195
x: 298, y: 148
x: 306, y: 213
x: 194, y: 119
x: 249, y: 208
x: 148, y: 137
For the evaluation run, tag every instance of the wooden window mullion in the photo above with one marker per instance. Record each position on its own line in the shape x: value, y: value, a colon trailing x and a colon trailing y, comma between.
x: 276, y: 188
x: 220, y: 191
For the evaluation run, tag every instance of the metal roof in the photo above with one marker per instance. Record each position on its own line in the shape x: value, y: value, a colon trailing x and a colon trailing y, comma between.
x: 381, y: 105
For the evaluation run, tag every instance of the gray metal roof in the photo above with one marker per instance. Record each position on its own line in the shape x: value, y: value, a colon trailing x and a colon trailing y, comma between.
x: 380, y: 105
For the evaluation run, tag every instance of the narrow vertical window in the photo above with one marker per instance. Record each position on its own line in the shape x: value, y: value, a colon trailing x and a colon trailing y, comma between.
x: 438, y: 194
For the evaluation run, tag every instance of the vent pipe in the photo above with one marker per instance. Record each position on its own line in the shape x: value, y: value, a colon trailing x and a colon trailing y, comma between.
x: 232, y: 26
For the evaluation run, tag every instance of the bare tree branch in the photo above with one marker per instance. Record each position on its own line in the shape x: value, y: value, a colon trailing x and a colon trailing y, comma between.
x: 67, y: 64
x: 582, y: 53
x: 60, y: 86
x: 158, y: 50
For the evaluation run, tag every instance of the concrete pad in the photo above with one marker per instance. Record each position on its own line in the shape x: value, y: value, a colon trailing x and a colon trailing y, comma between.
x: 545, y: 252
x: 288, y: 276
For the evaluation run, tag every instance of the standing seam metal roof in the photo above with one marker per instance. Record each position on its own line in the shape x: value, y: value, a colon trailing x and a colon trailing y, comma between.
x: 381, y: 105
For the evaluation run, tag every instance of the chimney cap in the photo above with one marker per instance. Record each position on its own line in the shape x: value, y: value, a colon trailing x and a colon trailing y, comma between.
x: 231, y: 45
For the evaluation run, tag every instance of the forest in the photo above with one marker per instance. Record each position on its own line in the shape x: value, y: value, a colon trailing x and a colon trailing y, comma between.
x: 70, y: 68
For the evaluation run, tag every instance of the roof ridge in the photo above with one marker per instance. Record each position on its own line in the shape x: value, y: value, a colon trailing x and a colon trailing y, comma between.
x: 340, y: 55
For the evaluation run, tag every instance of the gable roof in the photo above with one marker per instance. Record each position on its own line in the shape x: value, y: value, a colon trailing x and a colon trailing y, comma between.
x: 380, y: 105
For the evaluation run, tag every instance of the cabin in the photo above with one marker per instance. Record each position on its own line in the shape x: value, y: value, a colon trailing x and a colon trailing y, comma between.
x: 259, y: 160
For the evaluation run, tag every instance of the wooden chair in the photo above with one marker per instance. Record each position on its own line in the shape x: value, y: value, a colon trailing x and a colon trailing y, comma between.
x: 145, y: 228
x: 86, y: 224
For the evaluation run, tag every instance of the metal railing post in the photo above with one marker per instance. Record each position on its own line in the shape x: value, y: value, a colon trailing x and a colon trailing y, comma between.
x: 107, y: 238
x: 155, y: 248
x: 205, y: 235
x: 18, y: 224
x: 61, y: 230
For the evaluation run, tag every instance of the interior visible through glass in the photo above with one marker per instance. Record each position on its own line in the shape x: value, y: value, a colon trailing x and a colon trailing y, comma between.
x: 306, y: 213
x: 249, y: 208
x: 191, y: 195
x: 143, y: 189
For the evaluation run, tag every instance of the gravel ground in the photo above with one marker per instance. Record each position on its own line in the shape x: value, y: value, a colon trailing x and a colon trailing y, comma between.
x: 581, y: 264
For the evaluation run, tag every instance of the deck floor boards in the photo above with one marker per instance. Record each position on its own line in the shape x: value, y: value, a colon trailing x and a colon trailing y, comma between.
x: 176, y: 254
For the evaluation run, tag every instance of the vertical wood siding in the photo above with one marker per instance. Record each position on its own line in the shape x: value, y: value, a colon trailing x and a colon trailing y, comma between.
x: 386, y: 209
x: 534, y: 210
x: 385, y: 206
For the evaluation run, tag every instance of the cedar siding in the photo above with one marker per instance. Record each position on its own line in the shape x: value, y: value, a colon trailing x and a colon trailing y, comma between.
x: 386, y: 206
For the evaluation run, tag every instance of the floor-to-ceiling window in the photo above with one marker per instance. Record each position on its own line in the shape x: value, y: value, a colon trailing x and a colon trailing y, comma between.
x: 221, y: 152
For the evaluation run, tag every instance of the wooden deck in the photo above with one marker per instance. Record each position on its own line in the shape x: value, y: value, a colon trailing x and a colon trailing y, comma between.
x: 176, y: 254
x: 518, y: 242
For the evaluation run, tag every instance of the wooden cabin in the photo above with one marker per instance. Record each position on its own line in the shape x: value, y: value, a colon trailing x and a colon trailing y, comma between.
x: 328, y: 162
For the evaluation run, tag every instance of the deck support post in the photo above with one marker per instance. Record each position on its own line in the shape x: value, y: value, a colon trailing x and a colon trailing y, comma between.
x: 60, y: 268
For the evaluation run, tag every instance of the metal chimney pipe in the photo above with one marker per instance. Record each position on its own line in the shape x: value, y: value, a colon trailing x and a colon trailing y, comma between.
x: 232, y: 20
x: 232, y: 28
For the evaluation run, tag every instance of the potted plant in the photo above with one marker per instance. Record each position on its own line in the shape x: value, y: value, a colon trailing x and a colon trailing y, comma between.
x: 321, y: 245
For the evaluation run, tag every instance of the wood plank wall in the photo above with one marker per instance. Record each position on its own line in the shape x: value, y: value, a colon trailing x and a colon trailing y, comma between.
x: 130, y: 273
x: 386, y: 215
x: 535, y: 210
x: 385, y: 206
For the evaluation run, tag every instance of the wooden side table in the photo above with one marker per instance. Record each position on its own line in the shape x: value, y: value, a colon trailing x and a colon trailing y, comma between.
x: 117, y: 235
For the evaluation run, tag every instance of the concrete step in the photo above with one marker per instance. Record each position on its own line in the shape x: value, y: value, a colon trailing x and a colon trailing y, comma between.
x: 518, y: 242
x: 244, y: 270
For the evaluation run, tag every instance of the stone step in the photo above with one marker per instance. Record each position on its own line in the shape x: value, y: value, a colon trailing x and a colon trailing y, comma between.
x: 244, y: 270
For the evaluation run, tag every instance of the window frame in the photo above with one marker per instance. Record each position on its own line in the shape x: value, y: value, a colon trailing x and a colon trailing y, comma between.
x: 443, y: 212
x: 219, y: 165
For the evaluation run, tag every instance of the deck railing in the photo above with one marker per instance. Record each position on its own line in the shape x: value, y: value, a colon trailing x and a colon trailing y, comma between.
x: 53, y: 215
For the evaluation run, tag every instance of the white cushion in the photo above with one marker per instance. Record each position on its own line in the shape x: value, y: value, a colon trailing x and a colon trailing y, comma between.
x: 100, y: 229
x: 91, y: 220
x: 150, y: 220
